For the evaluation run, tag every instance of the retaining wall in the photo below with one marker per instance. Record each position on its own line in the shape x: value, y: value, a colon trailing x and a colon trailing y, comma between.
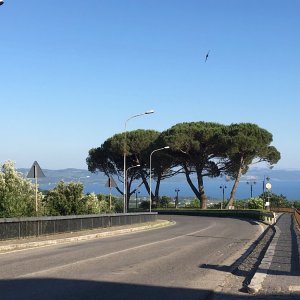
x: 16, y: 228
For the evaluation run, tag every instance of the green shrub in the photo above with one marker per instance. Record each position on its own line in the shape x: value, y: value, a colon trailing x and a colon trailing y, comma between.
x: 104, y: 206
x: 164, y: 202
x: 65, y: 199
x: 256, y: 203
x: 145, y: 204
x: 195, y: 203
x: 91, y: 204
x: 17, y: 194
x: 276, y: 200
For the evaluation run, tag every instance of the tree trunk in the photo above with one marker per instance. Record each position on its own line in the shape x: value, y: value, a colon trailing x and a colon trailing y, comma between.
x: 145, y: 182
x: 156, y: 193
x: 200, y: 193
x: 194, y: 189
x: 235, y: 185
x: 203, y: 198
x: 129, y: 192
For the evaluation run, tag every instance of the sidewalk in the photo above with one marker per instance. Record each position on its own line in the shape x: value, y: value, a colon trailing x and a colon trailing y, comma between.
x: 279, y: 272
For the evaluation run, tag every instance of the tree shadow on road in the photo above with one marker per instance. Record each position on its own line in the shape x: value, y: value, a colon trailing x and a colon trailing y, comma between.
x: 55, y: 289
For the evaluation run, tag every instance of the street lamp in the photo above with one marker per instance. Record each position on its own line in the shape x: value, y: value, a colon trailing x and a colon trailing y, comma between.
x: 266, y: 178
x: 268, y: 187
x: 223, y: 187
x: 166, y: 147
x: 126, y: 172
x: 1, y: 2
x: 124, y: 150
x: 251, y: 185
x: 176, y: 201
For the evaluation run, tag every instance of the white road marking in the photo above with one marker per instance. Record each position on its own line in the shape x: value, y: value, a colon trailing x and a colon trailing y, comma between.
x: 54, y: 269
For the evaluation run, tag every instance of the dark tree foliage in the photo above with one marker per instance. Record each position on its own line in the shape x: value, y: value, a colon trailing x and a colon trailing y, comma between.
x: 196, y: 149
x: 108, y: 158
x: 246, y: 144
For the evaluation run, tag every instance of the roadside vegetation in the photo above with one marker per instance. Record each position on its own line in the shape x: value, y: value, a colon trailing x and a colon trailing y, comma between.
x: 257, y: 203
x: 17, y: 199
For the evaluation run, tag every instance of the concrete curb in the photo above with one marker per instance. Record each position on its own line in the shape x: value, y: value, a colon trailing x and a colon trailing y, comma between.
x: 248, y: 249
x: 238, y: 259
x: 257, y: 280
x: 29, y: 245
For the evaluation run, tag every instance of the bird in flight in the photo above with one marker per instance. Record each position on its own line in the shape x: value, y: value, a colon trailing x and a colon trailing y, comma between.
x: 206, y: 57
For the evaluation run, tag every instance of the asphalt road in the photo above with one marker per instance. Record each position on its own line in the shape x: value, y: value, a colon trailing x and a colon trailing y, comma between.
x: 183, y: 261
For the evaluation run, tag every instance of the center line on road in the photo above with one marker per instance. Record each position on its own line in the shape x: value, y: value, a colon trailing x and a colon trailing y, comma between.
x: 107, y: 255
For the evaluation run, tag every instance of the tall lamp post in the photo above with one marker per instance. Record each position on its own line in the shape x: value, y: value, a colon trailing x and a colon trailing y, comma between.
x: 150, y: 176
x: 124, y: 151
x: 251, y: 186
x: 1, y: 2
x: 268, y: 187
x: 223, y: 187
x: 264, y: 182
x: 126, y: 172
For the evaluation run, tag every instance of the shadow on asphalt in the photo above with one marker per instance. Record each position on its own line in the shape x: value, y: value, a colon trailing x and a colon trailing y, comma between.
x: 246, y: 273
x: 295, y: 249
x: 54, y: 289
x: 47, y: 288
x: 255, y: 259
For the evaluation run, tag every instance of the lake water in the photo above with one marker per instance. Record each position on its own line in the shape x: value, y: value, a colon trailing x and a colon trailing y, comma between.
x: 283, y: 182
x: 290, y: 189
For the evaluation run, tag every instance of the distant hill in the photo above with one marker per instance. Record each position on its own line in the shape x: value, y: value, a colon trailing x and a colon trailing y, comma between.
x: 68, y: 175
x: 286, y: 182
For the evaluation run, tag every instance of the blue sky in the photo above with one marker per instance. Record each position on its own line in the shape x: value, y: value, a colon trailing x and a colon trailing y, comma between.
x: 72, y: 72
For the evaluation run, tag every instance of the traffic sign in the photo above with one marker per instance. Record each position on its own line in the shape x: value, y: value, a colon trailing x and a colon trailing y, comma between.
x: 110, y: 182
x: 35, y: 171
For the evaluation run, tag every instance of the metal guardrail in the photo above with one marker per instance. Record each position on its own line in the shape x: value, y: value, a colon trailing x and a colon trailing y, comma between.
x: 17, y: 228
x: 294, y: 211
x: 297, y: 216
x: 283, y: 209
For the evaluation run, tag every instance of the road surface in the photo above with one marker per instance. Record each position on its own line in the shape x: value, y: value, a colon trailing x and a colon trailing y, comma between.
x: 183, y: 261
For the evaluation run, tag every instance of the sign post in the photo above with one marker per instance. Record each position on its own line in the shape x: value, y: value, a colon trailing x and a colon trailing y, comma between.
x: 36, y: 172
x: 110, y: 184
